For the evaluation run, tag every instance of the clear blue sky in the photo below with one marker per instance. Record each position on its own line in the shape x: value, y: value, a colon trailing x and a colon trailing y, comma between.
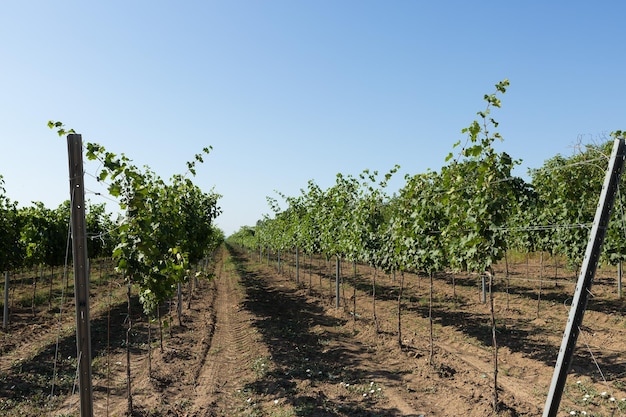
x: 288, y: 91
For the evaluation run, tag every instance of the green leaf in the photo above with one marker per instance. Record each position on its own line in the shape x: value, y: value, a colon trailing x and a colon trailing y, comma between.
x: 115, y: 190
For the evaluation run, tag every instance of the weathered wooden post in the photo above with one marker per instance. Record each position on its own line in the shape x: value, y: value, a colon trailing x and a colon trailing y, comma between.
x: 81, y: 272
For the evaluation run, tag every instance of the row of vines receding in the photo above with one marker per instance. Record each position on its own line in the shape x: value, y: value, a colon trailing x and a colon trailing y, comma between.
x: 465, y: 217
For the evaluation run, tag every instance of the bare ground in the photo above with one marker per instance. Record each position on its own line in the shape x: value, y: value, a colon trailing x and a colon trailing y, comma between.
x: 256, y: 343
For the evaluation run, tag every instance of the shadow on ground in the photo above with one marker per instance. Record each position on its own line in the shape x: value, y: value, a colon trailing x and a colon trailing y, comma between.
x: 299, y: 334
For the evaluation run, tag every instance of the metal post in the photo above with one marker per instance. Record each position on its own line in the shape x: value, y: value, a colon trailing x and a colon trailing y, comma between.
x: 179, y: 300
x: 585, y: 279
x: 620, y: 275
x: 81, y: 273
x: 337, y: 266
x: 483, y: 297
x: 5, y: 317
x: 297, y: 265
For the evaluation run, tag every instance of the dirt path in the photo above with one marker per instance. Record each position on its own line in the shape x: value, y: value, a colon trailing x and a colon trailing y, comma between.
x: 231, y: 350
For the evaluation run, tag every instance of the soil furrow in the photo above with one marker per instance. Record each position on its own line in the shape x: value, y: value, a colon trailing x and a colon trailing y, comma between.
x: 229, y: 354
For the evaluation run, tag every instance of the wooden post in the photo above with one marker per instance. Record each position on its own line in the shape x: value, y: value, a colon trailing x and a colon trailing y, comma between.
x: 81, y: 272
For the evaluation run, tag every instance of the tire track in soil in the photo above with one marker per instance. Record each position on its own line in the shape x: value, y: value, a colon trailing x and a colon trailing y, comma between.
x: 229, y: 349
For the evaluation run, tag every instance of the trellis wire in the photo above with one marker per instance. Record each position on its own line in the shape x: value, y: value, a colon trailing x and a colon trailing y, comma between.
x: 63, y: 283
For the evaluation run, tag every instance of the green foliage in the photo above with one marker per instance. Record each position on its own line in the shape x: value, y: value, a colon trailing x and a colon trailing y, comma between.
x: 101, y: 237
x: 417, y: 224
x: 344, y: 221
x: 11, y: 247
x: 244, y: 237
x: 480, y: 194
x: 568, y: 189
x: 60, y: 127
x: 37, y: 235
x: 167, y: 227
x: 44, y: 234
